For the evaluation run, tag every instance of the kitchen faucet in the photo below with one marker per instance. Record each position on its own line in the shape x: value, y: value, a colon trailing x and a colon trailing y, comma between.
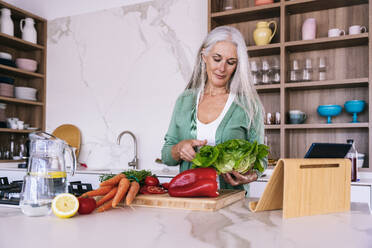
x: 134, y: 162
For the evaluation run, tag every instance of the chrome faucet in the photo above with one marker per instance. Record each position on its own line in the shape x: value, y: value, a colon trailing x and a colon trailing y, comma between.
x: 134, y: 162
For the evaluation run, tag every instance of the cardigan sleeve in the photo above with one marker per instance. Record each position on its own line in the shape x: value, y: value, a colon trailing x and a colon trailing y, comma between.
x: 171, y: 138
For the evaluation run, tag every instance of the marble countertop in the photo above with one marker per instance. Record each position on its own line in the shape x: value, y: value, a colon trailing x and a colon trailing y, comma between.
x: 232, y: 226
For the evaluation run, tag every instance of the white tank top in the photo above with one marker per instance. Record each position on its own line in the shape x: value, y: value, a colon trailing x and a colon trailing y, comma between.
x: 208, y: 131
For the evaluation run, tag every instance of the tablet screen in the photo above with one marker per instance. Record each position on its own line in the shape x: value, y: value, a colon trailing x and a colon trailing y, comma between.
x: 328, y: 150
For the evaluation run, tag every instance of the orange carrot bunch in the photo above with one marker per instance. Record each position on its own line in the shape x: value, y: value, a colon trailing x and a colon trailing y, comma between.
x: 113, y: 191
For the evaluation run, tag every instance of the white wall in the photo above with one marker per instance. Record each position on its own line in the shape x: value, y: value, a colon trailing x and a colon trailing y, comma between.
x: 122, y: 69
x: 52, y: 9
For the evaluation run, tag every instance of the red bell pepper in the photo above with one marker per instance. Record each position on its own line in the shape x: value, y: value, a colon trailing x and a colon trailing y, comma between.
x: 194, y: 182
x: 192, y: 175
x: 202, y: 187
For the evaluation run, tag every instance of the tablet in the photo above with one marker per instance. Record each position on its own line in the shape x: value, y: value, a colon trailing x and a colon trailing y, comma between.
x: 328, y: 150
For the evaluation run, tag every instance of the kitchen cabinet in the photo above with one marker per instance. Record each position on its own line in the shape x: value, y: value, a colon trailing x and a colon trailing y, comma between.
x: 31, y: 112
x: 348, y: 66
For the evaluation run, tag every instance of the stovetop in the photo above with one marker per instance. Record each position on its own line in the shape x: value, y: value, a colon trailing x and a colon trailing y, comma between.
x: 10, y: 192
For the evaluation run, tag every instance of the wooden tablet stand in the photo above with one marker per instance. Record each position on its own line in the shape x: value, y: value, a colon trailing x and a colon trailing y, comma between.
x: 303, y: 187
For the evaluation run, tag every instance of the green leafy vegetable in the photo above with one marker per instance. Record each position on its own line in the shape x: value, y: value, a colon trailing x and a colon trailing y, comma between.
x: 206, y: 156
x: 236, y: 154
x: 139, y: 175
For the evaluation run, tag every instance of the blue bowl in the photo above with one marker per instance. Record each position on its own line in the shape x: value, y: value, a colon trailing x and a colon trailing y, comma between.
x: 354, y: 106
x: 329, y: 111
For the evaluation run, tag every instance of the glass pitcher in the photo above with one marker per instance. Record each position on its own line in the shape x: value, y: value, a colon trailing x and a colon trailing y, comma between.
x: 46, y: 174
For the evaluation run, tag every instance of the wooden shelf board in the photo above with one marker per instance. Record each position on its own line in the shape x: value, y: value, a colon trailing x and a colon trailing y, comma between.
x: 327, y: 43
x: 325, y: 125
x: 247, y: 14
x: 20, y: 101
x: 268, y: 88
x: 271, y: 49
x: 303, y: 6
x: 12, y: 161
x: 18, y: 72
x: 18, y: 43
x: 8, y: 130
x: 272, y: 127
x: 342, y: 83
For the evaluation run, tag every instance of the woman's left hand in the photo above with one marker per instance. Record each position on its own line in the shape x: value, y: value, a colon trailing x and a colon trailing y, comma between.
x: 238, y: 179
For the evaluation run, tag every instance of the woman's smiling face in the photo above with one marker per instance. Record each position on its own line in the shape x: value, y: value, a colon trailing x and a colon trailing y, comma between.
x: 221, y: 63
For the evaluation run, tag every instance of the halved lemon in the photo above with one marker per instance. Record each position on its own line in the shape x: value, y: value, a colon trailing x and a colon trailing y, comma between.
x: 65, y: 205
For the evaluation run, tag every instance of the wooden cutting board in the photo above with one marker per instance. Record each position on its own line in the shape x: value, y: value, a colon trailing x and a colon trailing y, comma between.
x: 71, y: 134
x: 225, y: 198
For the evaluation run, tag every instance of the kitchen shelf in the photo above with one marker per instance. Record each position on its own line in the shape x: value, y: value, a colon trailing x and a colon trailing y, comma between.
x: 325, y: 125
x: 272, y: 127
x: 18, y: 43
x: 20, y: 101
x: 8, y: 130
x: 327, y: 43
x: 18, y: 72
x: 268, y: 88
x: 348, y: 60
x: 271, y: 49
x: 18, y: 13
x: 303, y: 6
x: 327, y: 84
x: 30, y: 112
x: 12, y: 161
x: 246, y: 14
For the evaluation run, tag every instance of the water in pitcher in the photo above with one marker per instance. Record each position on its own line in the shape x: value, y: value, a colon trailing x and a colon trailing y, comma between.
x: 42, y: 189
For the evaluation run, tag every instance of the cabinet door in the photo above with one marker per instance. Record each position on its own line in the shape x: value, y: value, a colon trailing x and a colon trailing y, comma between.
x: 361, y: 193
x: 256, y: 189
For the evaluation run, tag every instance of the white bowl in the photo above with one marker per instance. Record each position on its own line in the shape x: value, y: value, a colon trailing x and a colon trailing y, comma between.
x: 25, y: 93
x: 5, y: 55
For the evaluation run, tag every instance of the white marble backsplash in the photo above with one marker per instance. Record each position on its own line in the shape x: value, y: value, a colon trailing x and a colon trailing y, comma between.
x: 122, y: 69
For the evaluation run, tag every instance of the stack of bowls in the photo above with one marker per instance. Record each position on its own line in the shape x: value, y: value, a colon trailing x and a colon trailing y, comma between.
x: 6, y: 86
x: 25, y: 93
x: 6, y: 59
x: 26, y: 64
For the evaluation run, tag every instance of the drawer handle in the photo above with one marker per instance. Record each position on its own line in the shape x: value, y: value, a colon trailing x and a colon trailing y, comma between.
x: 312, y: 166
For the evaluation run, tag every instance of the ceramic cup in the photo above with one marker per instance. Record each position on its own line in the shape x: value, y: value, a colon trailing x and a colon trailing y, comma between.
x: 20, y: 125
x: 357, y: 29
x: 335, y: 32
x: 296, y: 117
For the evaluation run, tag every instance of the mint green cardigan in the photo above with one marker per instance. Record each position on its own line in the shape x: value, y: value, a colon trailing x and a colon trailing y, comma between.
x: 232, y: 126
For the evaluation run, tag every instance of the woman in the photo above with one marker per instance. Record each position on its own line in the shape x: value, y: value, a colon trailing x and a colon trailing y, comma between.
x: 218, y: 104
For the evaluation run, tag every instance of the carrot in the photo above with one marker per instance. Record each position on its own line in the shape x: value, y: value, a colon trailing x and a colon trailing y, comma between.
x: 107, y: 197
x: 98, y: 192
x: 133, y: 191
x: 122, y: 190
x: 105, y: 206
x: 113, y: 181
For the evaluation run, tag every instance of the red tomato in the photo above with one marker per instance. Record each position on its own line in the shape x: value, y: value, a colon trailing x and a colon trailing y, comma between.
x: 86, y: 205
x: 148, y: 190
x: 151, y: 181
x: 165, y: 185
x: 155, y: 190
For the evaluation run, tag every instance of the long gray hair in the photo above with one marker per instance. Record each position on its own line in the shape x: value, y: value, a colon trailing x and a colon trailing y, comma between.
x: 240, y: 83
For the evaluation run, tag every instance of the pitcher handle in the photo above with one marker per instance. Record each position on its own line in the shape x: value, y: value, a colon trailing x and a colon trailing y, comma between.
x: 73, y: 156
x: 20, y: 25
x: 272, y: 36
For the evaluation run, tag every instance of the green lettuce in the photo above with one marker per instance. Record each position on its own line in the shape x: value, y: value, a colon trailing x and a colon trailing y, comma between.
x: 206, y: 156
x: 236, y: 154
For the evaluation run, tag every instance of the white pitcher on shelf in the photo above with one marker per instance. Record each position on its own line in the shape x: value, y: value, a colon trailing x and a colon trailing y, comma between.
x: 28, y: 30
x: 6, y: 26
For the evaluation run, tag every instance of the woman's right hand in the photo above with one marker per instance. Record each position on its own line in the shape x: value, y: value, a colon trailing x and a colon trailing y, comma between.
x: 184, y: 150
